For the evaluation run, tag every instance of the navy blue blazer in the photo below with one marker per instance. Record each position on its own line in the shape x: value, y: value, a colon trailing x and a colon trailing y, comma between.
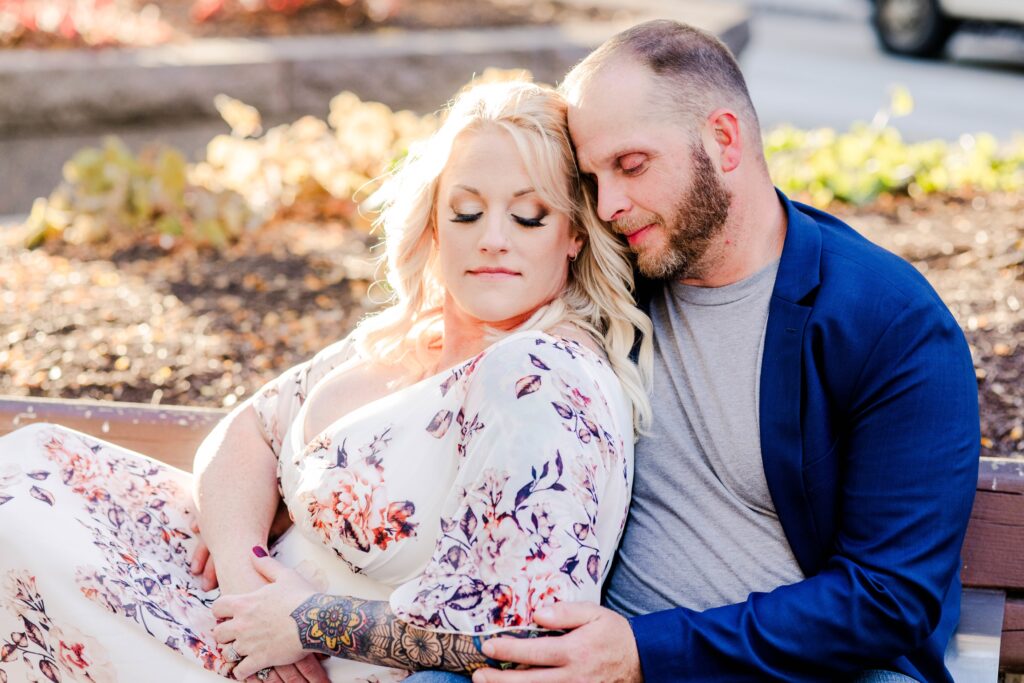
x: 870, y: 441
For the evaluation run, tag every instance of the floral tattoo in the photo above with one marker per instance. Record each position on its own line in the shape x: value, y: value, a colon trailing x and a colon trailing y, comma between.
x: 368, y: 631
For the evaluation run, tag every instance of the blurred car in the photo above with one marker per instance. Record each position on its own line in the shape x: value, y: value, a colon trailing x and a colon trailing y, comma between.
x: 923, y: 27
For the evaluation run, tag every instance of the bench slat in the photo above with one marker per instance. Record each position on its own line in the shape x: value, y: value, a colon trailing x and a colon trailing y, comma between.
x: 1011, y: 651
x: 168, y: 433
x: 993, y: 552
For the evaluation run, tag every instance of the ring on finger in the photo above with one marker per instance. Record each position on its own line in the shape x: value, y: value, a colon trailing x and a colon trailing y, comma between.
x: 231, y: 654
x: 264, y: 674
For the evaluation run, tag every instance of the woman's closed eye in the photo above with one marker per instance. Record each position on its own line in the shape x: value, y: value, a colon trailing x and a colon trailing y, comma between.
x: 466, y: 217
x: 528, y: 222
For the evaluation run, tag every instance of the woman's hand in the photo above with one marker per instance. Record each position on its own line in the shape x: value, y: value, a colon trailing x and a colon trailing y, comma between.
x: 259, y: 626
x: 202, y: 562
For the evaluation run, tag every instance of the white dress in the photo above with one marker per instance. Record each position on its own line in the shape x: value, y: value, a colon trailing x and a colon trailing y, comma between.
x: 468, y: 500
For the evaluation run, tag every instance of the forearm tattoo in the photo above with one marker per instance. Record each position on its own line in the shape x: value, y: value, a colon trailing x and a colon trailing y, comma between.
x: 368, y: 631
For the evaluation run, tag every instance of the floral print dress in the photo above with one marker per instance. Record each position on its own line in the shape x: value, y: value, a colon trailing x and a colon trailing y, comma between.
x: 468, y: 500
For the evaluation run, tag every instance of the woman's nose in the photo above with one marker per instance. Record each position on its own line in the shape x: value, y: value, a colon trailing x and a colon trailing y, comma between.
x: 494, y: 237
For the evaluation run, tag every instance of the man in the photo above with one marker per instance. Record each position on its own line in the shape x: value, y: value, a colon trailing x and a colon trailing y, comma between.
x: 802, y: 496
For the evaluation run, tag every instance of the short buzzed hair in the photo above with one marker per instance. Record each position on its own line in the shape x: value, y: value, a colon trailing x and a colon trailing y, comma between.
x: 698, y: 70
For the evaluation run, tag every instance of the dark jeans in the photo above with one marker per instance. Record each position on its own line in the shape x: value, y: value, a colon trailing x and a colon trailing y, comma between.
x: 446, y: 677
x: 437, y: 677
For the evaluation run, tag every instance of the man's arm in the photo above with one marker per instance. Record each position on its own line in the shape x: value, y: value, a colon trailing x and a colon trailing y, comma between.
x: 909, y: 470
x: 368, y: 631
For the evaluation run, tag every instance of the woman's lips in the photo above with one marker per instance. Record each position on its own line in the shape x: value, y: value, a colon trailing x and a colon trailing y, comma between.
x: 636, y: 236
x: 492, y: 273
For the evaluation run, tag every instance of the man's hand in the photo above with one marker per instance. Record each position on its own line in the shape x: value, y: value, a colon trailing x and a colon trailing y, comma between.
x: 599, y: 647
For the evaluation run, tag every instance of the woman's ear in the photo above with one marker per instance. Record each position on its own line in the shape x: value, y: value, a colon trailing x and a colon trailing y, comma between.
x: 577, y: 245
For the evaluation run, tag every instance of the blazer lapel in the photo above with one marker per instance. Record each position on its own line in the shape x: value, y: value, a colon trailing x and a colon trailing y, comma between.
x: 781, y: 380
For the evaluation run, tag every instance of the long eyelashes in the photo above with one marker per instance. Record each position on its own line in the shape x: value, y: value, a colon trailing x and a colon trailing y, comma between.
x: 524, y: 221
x: 530, y: 222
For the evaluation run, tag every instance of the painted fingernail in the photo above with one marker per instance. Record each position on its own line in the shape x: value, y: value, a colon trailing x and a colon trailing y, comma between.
x: 258, y: 551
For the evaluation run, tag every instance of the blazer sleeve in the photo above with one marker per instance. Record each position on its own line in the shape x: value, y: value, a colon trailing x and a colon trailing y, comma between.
x: 909, y: 473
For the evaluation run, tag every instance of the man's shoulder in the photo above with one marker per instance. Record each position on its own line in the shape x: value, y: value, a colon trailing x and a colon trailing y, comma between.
x: 858, y: 275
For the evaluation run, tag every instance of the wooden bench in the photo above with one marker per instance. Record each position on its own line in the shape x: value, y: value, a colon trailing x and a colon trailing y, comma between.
x: 993, y: 554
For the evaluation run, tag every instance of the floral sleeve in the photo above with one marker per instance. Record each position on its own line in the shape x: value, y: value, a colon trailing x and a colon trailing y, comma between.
x: 278, y: 401
x: 539, y: 502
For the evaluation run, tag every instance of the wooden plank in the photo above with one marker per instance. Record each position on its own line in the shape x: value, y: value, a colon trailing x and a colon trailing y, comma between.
x: 1001, y: 474
x: 168, y: 433
x: 993, y: 551
x: 1011, y: 650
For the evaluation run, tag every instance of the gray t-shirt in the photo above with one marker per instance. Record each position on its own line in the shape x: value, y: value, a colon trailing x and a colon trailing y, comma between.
x: 702, y: 529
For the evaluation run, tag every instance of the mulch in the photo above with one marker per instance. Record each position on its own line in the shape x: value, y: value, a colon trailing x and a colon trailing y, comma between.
x: 201, y: 328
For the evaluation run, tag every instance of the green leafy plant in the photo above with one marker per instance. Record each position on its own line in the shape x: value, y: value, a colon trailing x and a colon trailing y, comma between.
x: 112, y: 194
x: 872, y: 158
x: 309, y: 169
x: 314, y: 170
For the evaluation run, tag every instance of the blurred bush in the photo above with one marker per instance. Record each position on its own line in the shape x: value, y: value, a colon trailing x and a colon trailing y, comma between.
x: 314, y: 170
x: 92, y: 23
x: 870, y: 159
x: 310, y: 169
x: 140, y: 23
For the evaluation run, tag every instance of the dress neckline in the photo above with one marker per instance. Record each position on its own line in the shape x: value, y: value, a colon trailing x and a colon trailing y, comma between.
x: 297, y: 430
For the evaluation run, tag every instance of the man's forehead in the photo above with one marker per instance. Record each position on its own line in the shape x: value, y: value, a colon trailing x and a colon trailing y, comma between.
x: 607, y: 109
x: 602, y: 135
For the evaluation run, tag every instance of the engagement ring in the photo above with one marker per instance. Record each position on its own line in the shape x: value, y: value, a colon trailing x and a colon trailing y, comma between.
x: 264, y: 674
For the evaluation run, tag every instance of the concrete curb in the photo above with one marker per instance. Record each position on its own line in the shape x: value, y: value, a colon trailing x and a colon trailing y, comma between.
x: 78, y: 89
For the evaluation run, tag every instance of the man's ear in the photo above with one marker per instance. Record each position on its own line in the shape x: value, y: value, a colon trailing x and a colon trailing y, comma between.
x: 724, y: 129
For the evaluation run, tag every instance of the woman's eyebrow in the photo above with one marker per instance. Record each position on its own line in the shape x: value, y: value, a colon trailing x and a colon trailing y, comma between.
x: 473, y: 190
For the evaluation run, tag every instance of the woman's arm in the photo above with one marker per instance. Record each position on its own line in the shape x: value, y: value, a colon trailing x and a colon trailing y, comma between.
x: 267, y: 628
x: 235, y: 489
x: 368, y: 631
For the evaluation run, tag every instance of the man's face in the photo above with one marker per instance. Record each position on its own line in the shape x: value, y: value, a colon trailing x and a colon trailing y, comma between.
x: 656, y: 184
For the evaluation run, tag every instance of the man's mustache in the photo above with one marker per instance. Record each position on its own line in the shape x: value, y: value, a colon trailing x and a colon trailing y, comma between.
x: 632, y: 223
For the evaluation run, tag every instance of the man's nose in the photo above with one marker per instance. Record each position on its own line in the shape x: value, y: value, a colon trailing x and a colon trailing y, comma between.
x: 612, y: 202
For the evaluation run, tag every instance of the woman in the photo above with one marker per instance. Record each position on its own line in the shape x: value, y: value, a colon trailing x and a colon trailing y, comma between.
x: 462, y: 459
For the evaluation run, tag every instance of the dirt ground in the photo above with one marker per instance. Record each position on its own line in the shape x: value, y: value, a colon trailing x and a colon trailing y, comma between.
x: 200, y: 328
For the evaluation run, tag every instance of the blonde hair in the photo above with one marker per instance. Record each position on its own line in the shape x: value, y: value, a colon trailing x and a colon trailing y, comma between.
x: 597, y: 297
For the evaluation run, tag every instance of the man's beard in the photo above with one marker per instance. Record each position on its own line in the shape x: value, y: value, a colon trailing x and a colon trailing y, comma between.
x: 694, y: 224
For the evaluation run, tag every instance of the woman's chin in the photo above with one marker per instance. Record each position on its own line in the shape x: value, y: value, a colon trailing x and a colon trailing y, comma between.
x: 503, y: 319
